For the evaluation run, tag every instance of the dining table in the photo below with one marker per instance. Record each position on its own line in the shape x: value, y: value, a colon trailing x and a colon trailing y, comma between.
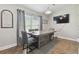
x: 42, y: 37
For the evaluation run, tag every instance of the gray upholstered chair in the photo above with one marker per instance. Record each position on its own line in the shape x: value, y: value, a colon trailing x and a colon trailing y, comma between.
x: 28, y: 41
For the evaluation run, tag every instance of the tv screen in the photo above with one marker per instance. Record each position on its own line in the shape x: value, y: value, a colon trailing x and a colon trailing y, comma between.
x: 62, y: 18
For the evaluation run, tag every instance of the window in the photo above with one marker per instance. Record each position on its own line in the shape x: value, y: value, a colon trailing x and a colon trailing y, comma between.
x: 32, y: 22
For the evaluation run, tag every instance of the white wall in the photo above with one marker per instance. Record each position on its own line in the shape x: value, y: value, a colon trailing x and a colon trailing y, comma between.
x: 8, y: 36
x: 69, y: 30
x: 77, y: 14
x: 45, y: 23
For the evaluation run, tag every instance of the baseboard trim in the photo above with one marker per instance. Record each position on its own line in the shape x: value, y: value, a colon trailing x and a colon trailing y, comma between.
x: 8, y: 46
x: 68, y: 38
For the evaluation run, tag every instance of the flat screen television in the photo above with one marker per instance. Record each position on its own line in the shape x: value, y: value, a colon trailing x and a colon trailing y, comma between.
x: 62, y: 19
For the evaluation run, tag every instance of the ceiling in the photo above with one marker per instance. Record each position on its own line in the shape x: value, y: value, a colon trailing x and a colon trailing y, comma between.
x: 43, y: 7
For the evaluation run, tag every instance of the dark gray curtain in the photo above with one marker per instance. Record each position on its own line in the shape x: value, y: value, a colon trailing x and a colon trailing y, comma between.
x: 41, y: 26
x: 20, y: 25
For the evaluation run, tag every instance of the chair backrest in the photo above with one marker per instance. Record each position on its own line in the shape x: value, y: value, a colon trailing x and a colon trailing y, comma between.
x: 24, y: 37
x: 33, y: 29
x: 30, y: 30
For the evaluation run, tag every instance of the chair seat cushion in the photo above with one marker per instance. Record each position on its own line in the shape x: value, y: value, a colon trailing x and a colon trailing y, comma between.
x: 28, y: 35
x: 30, y: 40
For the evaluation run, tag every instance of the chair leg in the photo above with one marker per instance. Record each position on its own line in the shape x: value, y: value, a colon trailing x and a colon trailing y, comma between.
x: 23, y: 46
x: 27, y: 49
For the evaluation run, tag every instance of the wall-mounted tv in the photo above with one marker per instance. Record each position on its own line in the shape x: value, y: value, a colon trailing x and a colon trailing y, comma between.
x: 62, y: 18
